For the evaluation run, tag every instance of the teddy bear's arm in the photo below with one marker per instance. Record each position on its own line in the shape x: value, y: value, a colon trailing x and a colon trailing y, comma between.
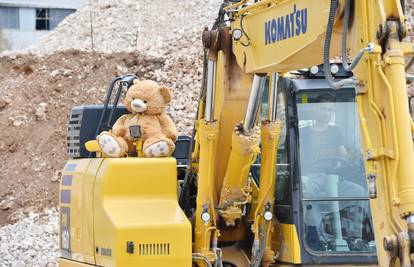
x: 119, y: 127
x: 168, y: 127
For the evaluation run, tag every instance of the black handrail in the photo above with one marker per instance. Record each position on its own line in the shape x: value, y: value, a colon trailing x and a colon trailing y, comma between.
x: 108, y: 98
x: 126, y: 81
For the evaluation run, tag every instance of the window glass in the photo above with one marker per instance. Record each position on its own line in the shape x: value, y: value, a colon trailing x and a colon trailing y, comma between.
x: 332, y: 173
x: 283, y: 188
x: 339, y: 226
x: 42, y: 19
x: 9, y: 17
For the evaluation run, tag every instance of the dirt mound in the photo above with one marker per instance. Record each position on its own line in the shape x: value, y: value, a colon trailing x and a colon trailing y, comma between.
x: 37, y: 96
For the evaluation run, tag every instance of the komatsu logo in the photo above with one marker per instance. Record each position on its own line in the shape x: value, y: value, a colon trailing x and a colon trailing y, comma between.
x: 285, y: 27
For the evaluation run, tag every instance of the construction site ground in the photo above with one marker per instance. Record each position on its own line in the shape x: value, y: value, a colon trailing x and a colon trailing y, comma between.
x: 38, y: 90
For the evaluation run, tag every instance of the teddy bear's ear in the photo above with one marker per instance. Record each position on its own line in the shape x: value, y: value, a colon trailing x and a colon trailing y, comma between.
x: 166, y: 94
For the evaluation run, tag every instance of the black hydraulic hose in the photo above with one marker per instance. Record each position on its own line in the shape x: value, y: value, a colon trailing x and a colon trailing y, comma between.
x: 326, y: 51
x: 220, y: 17
x: 344, y: 33
x: 361, y: 52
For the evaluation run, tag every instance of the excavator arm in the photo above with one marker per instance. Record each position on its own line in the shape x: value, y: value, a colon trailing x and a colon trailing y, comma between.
x: 254, y: 39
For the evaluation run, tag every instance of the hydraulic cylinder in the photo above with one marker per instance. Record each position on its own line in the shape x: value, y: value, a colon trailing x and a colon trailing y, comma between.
x: 205, y: 212
x: 263, y: 220
x: 235, y: 191
x: 395, y: 73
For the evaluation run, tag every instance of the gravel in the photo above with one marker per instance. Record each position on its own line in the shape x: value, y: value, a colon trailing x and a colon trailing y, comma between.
x: 31, y: 242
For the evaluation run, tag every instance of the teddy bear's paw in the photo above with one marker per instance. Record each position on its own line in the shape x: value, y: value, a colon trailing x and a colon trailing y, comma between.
x: 159, y: 149
x: 109, y: 146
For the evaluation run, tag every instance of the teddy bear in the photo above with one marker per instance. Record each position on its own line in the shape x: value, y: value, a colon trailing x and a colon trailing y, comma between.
x: 146, y: 101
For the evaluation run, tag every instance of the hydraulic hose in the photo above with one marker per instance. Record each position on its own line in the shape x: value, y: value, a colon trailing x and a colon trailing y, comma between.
x: 358, y: 57
x: 326, y: 51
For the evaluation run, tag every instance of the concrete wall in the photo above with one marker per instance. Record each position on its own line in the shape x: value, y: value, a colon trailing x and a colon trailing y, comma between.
x: 27, y: 19
x: 11, y: 39
x: 26, y: 35
x: 67, y: 4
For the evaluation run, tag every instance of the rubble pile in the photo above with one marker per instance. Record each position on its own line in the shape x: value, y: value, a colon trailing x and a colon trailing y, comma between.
x: 128, y: 25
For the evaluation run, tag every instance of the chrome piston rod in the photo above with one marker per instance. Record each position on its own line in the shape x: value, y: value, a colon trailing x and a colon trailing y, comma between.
x: 272, y: 112
x: 210, y: 94
x: 253, y: 105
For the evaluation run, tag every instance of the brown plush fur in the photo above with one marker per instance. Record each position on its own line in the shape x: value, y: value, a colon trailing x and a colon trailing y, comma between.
x: 155, y: 124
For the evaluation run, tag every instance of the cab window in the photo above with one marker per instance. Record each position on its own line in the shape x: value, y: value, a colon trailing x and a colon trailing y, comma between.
x: 335, y: 201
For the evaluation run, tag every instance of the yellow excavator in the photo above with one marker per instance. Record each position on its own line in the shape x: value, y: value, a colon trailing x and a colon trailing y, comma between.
x: 293, y: 161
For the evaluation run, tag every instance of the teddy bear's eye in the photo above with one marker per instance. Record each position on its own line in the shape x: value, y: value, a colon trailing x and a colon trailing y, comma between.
x: 145, y: 101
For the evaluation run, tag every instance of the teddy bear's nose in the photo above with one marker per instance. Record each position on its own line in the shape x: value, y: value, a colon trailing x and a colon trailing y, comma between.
x: 138, y: 105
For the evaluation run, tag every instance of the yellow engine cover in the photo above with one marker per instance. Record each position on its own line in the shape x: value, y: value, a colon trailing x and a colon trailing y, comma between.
x: 123, y: 212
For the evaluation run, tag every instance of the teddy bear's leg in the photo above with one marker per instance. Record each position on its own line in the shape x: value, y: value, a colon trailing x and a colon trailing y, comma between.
x: 158, y: 146
x: 112, y: 146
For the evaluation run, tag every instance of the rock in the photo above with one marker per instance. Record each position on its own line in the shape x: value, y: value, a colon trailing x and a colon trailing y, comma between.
x: 5, y: 205
x: 57, y: 176
x: 31, y: 252
x: 4, y: 103
x: 67, y: 73
x: 187, y: 80
x: 15, y: 121
x: 54, y: 73
x: 41, y: 112
x: 18, y: 264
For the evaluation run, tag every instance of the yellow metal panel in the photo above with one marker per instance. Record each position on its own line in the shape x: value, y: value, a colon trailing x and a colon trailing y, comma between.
x: 283, y: 35
x: 69, y: 263
x: 290, y: 247
x: 77, y: 180
x: 92, y: 146
x: 136, y: 201
x: 385, y: 120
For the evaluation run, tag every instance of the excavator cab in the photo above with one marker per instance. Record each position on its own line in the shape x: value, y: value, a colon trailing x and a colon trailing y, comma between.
x: 321, y: 200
